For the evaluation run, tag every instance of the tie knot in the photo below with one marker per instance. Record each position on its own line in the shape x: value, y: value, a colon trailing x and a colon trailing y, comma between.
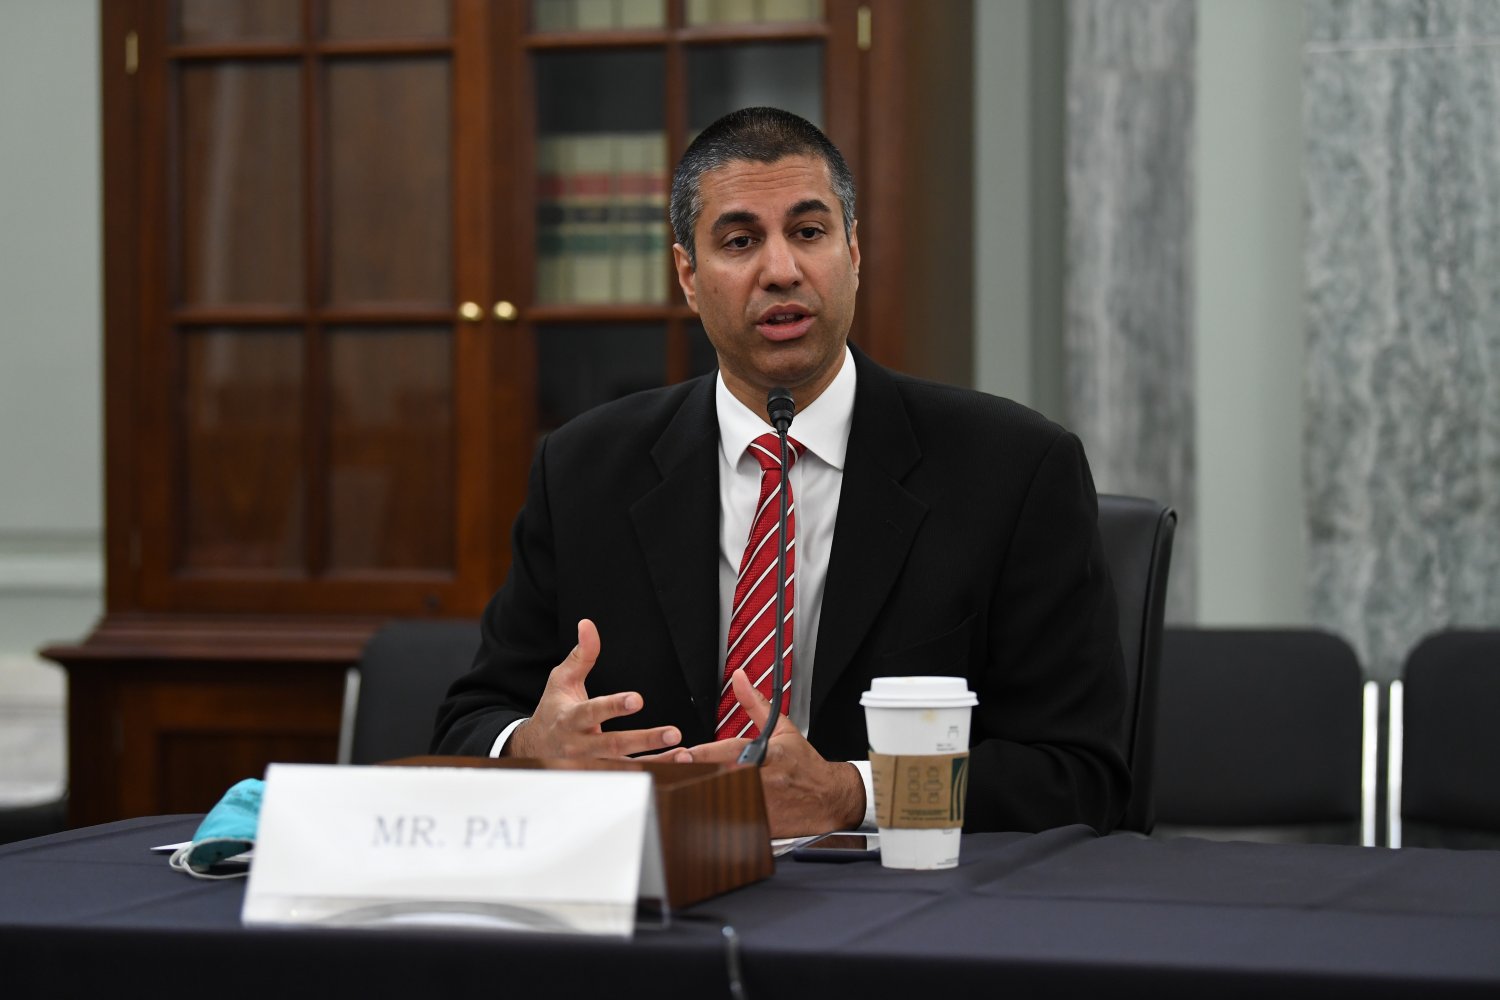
x: 767, y: 451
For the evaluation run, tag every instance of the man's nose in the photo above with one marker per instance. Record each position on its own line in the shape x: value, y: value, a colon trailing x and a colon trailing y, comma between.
x: 779, y: 268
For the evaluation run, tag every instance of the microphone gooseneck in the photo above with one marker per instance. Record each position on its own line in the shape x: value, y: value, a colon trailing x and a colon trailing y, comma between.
x: 781, y: 408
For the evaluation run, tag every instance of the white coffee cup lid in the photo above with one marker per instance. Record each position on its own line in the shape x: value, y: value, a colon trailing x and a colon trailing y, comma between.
x: 918, y: 692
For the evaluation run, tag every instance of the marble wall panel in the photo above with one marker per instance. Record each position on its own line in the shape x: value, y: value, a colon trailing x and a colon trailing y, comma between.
x: 1128, y: 360
x: 1402, y: 125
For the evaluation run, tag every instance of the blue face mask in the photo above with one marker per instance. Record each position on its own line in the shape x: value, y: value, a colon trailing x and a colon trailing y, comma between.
x: 227, y: 830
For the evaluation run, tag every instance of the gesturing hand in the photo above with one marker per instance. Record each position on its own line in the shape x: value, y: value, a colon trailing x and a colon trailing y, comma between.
x: 804, y: 793
x: 568, y: 723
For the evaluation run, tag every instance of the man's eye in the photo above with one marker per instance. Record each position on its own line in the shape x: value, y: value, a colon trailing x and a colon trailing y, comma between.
x: 809, y: 232
x: 738, y: 242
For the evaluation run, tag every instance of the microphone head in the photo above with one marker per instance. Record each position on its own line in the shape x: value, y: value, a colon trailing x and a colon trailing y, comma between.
x: 780, y: 407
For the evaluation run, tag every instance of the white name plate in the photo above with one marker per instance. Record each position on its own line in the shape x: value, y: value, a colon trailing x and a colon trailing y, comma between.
x: 557, y: 851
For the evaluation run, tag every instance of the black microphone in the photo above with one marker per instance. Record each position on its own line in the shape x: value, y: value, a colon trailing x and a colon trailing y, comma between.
x: 780, y: 407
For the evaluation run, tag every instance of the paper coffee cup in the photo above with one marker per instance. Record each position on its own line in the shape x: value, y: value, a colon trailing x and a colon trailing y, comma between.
x: 919, y: 754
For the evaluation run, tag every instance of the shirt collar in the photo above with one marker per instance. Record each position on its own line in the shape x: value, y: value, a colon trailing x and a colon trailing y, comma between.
x: 822, y: 428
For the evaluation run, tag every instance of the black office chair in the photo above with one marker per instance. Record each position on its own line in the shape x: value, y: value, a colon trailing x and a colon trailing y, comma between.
x: 391, y: 698
x: 1264, y: 734
x: 1137, y: 535
x: 33, y: 819
x: 1443, y: 789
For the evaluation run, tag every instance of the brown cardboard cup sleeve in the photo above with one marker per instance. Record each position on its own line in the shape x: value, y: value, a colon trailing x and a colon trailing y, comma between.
x: 920, y: 791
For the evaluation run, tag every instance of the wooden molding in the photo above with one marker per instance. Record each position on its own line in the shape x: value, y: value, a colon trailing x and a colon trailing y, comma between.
x: 136, y: 637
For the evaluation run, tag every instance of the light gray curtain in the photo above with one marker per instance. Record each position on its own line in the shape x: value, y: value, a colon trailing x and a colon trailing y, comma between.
x: 1128, y: 359
x: 1402, y: 121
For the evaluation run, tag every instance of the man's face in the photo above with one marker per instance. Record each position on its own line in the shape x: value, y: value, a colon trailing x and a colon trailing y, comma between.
x: 775, y: 280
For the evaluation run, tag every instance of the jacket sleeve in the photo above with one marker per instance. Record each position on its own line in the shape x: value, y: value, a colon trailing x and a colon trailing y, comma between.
x: 1052, y: 696
x: 520, y: 641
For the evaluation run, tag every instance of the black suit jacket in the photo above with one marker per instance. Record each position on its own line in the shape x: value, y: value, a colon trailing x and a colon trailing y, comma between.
x: 966, y: 543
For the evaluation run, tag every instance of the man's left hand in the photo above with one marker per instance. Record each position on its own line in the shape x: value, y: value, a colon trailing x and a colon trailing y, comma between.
x: 805, y: 794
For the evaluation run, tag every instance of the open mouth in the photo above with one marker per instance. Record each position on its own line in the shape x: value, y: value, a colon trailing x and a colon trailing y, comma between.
x: 783, y: 318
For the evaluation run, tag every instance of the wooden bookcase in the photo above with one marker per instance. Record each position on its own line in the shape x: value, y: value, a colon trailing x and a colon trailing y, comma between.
x: 355, y: 268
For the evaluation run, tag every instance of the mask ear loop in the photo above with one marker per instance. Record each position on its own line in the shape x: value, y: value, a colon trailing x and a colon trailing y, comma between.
x: 179, y: 862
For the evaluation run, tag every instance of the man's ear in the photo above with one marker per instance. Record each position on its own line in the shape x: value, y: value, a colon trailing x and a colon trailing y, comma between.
x: 854, y: 246
x: 686, y: 276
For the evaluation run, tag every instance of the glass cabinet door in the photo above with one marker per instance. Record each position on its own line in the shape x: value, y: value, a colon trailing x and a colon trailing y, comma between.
x: 314, y: 360
x: 617, y: 91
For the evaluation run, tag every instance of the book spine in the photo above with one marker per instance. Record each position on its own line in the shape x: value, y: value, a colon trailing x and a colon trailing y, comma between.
x: 596, y: 15
x: 658, y: 252
x: 552, y: 15
x: 550, y: 193
x: 642, y: 14
x: 630, y: 219
x: 587, y: 220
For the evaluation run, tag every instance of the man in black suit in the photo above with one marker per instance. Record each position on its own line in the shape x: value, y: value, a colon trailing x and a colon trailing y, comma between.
x: 939, y: 531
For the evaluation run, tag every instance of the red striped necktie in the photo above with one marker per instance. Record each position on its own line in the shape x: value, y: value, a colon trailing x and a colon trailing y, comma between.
x: 752, y: 642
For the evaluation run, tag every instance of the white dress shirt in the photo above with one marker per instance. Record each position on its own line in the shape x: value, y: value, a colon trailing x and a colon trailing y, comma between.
x: 817, y: 478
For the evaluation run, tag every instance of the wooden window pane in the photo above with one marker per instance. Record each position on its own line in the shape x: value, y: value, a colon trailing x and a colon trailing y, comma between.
x: 786, y: 75
x: 382, y: 19
x: 201, y: 21
x: 706, y: 12
x: 579, y: 367
x: 602, y: 235
x: 240, y: 149
x: 597, y: 15
x: 390, y: 197
x: 390, y: 449
x: 242, y: 450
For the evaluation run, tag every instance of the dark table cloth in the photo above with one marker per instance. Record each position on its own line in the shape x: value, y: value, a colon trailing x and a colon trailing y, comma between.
x: 1062, y: 913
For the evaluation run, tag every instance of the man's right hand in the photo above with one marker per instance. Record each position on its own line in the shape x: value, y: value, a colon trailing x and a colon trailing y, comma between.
x: 568, y: 723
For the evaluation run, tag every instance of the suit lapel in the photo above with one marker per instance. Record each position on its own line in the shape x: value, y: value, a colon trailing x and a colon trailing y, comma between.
x: 877, y: 522
x: 677, y: 524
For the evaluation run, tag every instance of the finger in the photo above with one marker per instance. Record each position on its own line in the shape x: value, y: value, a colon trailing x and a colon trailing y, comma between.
x: 720, y: 752
x: 674, y: 755
x: 754, y: 703
x: 580, y: 659
x: 597, y: 711
x: 627, y: 742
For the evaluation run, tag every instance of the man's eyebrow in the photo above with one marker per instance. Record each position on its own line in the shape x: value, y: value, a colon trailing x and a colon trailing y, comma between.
x: 808, y: 205
x: 736, y: 218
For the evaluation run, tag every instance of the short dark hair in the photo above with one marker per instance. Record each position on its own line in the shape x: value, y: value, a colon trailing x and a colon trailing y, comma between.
x: 760, y: 135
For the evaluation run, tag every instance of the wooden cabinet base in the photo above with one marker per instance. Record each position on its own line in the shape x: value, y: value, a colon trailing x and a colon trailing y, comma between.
x: 165, y: 713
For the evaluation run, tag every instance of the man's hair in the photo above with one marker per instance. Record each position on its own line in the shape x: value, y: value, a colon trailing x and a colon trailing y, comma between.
x: 759, y: 135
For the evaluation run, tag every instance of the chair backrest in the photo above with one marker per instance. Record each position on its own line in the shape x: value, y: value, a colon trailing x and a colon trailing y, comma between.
x: 402, y: 677
x: 1446, y: 743
x: 1137, y: 534
x: 1260, y: 736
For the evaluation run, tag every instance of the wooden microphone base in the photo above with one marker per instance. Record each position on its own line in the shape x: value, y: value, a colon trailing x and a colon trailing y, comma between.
x: 712, y: 818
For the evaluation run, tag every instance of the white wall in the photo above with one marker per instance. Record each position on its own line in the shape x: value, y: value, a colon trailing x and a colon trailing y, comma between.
x: 1002, y: 233
x: 1250, y: 319
x: 1252, y: 565
x: 50, y: 386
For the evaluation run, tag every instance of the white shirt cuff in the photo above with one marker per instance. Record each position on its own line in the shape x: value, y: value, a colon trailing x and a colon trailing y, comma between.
x: 867, y: 776
x: 505, y: 735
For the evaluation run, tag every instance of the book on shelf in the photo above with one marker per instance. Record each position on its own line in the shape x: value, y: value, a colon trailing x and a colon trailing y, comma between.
x: 791, y: 10
x: 553, y: 276
x: 587, y: 224
x: 642, y: 14
x: 601, y: 218
x: 641, y: 233
x: 708, y: 12
x: 597, y: 15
